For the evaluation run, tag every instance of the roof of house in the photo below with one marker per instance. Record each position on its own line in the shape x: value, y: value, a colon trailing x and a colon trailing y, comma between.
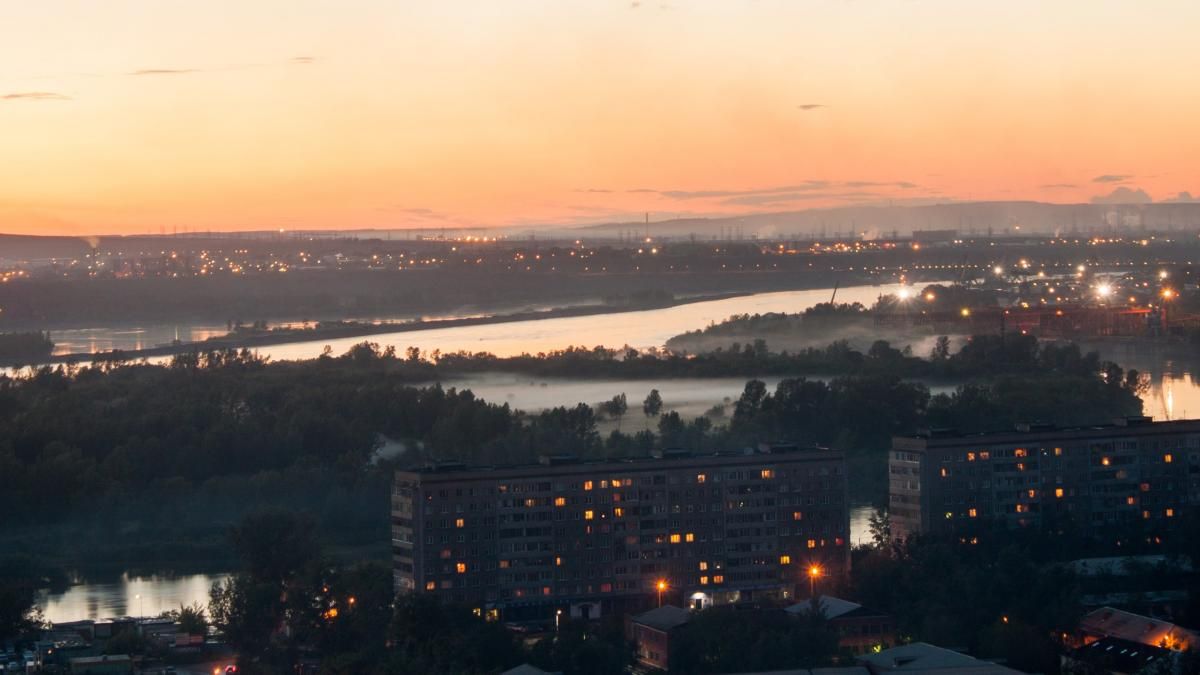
x: 833, y: 608
x: 95, y: 660
x: 1124, y: 565
x: 845, y: 670
x: 1117, y: 623
x: 1119, y: 655
x: 920, y: 657
x: 526, y: 669
x: 664, y: 618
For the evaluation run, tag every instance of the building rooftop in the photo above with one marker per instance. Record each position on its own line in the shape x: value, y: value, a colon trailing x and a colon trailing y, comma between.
x: 840, y: 670
x: 1024, y: 432
x: 1124, y: 565
x: 664, y: 618
x: 571, y: 464
x: 526, y: 669
x: 1117, y: 655
x: 1117, y: 623
x: 832, y: 608
x: 920, y: 657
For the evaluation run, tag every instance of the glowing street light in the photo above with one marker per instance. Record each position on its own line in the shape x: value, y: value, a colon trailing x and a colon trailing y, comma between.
x: 1104, y: 290
x: 904, y: 294
x: 1167, y: 294
x: 814, y: 571
x: 660, y: 587
x: 998, y: 270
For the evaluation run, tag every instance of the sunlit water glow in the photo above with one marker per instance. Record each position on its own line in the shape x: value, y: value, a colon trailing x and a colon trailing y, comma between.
x: 127, y: 596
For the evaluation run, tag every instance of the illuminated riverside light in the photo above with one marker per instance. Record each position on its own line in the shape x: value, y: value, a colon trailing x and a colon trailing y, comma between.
x: 1104, y: 290
x: 998, y: 270
x: 904, y: 294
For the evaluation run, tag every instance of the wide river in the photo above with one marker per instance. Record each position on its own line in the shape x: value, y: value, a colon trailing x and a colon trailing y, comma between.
x: 1173, y: 393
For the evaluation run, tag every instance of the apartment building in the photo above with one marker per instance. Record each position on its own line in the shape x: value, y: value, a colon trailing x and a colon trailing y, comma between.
x: 1131, y: 470
x: 585, y: 537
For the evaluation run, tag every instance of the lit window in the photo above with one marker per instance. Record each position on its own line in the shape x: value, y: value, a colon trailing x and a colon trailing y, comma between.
x: 1058, y: 492
x: 503, y: 564
x: 767, y: 474
x: 1130, y: 500
x: 461, y: 568
x: 560, y: 501
x: 530, y: 503
x: 1032, y: 494
x: 1022, y: 508
x: 812, y: 543
x: 970, y: 457
x: 558, y: 561
x: 603, y: 484
x: 546, y: 590
x: 1104, y: 461
x: 675, y: 539
x: 460, y: 523
x: 984, y: 454
x: 945, y: 472
x: 1144, y: 487
x: 700, y: 478
x: 719, y: 579
x: 785, y: 560
x: 587, y: 485
x: 1145, y: 515
x: 1168, y: 458
x: 589, y: 514
x: 703, y: 565
x: 1170, y: 513
x: 972, y: 512
x: 797, y: 515
x: 949, y: 515
x: 1058, y: 452
x: 619, y: 512
x: 1020, y: 466
x: 703, y: 581
x: 1020, y: 452
x: 689, y: 537
x: 430, y: 585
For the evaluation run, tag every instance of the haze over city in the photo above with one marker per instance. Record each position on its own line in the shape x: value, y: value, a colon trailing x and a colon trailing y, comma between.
x: 135, y: 116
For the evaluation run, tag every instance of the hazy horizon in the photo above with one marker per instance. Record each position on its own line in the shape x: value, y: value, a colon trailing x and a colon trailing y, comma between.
x: 137, y: 117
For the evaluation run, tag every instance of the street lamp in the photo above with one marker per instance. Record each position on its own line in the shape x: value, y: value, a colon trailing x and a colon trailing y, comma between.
x: 814, y: 571
x: 660, y: 587
x: 557, y: 619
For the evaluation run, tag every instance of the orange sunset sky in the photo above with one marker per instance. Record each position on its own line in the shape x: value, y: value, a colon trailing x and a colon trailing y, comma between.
x: 143, y: 116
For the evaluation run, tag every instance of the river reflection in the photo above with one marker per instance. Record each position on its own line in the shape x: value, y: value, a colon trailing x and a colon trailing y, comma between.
x: 127, y: 596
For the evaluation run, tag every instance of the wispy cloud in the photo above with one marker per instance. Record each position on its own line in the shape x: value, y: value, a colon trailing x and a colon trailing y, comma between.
x: 594, y: 190
x: 1058, y: 186
x: 165, y: 71
x: 777, y: 193
x: 787, y: 197
x: 302, y: 59
x: 811, y: 106
x: 1112, y: 178
x: 35, y: 96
